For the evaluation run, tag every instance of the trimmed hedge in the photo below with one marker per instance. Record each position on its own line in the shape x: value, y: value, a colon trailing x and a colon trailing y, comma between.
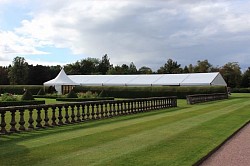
x: 19, y: 89
x: 46, y: 96
x: 21, y: 103
x: 240, y: 90
x: 153, y: 91
x: 82, y: 100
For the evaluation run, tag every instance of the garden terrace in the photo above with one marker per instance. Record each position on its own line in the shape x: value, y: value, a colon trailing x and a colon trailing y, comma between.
x: 200, y: 98
x: 23, y: 118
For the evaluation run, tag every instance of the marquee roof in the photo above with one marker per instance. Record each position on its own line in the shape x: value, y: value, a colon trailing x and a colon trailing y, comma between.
x: 61, y: 79
x: 189, y: 79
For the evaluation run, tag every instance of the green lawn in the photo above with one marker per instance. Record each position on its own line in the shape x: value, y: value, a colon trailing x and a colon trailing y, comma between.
x: 176, y: 136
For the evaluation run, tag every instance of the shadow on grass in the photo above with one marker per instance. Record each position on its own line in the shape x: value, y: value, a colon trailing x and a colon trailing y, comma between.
x: 25, y: 135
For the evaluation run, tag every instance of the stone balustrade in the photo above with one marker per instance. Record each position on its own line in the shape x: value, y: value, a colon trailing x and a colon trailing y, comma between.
x: 200, y: 98
x: 23, y: 118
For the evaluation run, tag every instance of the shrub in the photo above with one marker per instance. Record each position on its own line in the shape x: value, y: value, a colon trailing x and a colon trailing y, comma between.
x: 21, y: 103
x: 72, y: 94
x: 152, y: 91
x: 88, y: 94
x: 27, y: 95
x: 9, y: 97
x: 18, y: 89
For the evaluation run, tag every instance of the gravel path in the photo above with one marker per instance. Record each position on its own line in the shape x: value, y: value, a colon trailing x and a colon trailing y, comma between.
x: 235, y: 152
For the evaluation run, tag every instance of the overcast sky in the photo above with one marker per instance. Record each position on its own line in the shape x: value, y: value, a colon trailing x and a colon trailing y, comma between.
x: 146, y: 32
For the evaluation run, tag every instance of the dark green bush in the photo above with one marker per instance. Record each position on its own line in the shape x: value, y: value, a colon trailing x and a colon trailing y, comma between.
x: 84, y: 99
x: 72, y: 94
x: 20, y: 103
x: 240, y: 90
x: 153, y: 91
x: 27, y: 95
x: 19, y: 89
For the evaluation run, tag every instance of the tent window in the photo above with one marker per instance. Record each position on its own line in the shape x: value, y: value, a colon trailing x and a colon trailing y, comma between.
x: 67, y: 88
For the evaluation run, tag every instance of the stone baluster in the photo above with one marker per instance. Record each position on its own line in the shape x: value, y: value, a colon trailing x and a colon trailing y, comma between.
x: 21, y: 121
x: 3, y: 123
x: 83, y: 112
x: 88, y: 111
x: 31, y: 120
x: 102, y: 111
x: 73, y: 114
x: 110, y: 109
x: 78, y: 114
x: 106, y: 109
x: 38, y: 119
x: 66, y: 107
x: 13, y: 121
x: 97, y: 111
x: 92, y: 111
x: 46, y: 117
x: 60, y: 117
x: 53, y: 116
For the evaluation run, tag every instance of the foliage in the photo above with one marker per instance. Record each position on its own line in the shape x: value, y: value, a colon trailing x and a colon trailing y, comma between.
x: 171, y: 67
x: 202, y: 67
x: 27, y: 95
x: 246, y: 79
x: 104, y: 65
x: 84, y: 99
x: 87, y: 94
x: 19, y: 89
x: 232, y: 74
x: 142, y: 92
x: 51, y: 90
x: 9, y: 97
x: 145, y: 70
x: 72, y: 94
x: 18, y: 72
x: 21, y: 103
x: 4, y: 80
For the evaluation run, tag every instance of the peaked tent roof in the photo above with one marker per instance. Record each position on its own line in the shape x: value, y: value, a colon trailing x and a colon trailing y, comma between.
x: 61, y: 79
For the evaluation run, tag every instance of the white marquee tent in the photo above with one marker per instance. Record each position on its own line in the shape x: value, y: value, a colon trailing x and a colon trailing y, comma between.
x: 61, y: 79
x: 189, y: 79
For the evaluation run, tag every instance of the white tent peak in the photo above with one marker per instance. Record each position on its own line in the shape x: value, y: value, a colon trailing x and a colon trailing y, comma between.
x: 61, y: 79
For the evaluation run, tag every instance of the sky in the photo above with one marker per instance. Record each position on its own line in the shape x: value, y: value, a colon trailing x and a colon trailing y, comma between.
x: 145, y: 32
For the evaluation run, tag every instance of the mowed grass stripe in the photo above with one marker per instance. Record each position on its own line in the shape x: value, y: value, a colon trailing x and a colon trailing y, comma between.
x: 189, y: 146
x: 134, y: 142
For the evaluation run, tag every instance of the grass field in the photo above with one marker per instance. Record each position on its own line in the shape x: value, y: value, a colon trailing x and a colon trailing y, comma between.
x: 176, y: 136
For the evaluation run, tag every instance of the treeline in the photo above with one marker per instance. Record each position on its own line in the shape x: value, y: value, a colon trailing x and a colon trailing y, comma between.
x: 21, y: 73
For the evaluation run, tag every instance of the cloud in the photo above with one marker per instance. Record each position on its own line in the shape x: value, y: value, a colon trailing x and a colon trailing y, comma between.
x: 145, y: 32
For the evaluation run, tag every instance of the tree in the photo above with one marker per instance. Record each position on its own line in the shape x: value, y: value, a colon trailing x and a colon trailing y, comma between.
x: 38, y: 74
x: 185, y: 70
x: 231, y: 74
x: 145, y: 70
x: 132, y: 68
x: 89, y: 66
x: 18, y: 72
x: 202, y: 67
x: 245, y: 82
x: 171, y: 67
x: 104, y: 65
x: 4, y: 80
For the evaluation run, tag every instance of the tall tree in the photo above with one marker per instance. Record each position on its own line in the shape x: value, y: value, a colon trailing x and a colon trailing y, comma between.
x: 231, y: 74
x: 18, y: 72
x: 4, y: 80
x: 89, y: 66
x: 38, y: 74
x: 132, y: 68
x: 245, y: 83
x: 104, y: 65
x: 171, y: 67
x: 202, y: 67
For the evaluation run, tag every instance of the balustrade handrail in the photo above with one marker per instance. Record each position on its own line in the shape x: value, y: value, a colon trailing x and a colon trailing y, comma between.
x: 47, y: 115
